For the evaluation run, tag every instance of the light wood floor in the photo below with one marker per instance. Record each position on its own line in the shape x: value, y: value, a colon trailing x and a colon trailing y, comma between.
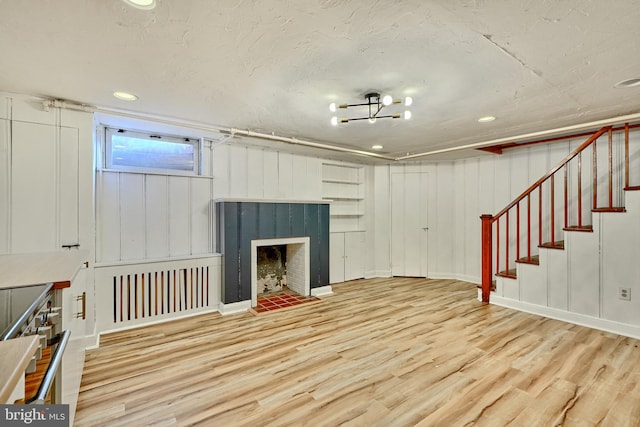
x: 380, y: 352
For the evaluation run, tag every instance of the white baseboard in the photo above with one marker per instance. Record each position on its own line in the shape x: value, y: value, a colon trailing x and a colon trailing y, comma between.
x: 566, y: 316
x: 234, y: 307
x: 157, y: 321
x: 455, y: 276
x: 322, y: 290
x: 91, y: 342
x: 377, y: 273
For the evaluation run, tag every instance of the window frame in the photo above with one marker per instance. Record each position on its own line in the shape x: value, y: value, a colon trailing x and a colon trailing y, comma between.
x: 196, y: 143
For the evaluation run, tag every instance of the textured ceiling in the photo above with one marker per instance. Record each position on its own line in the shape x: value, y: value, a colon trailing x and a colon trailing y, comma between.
x: 274, y: 66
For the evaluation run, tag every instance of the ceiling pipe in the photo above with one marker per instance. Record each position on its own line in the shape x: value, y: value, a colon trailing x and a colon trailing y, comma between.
x: 567, y: 129
x: 295, y: 141
x: 56, y: 103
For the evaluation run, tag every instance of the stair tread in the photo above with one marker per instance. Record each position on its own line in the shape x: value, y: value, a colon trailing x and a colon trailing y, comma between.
x: 586, y: 228
x: 558, y: 244
x: 535, y: 260
x: 510, y: 274
x: 611, y: 209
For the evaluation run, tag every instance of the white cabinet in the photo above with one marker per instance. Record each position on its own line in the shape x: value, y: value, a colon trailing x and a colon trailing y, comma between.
x: 346, y: 259
x: 74, y: 312
x: 343, y: 185
x: 44, y: 196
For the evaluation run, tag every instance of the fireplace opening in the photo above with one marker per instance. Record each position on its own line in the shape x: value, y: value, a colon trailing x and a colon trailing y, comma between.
x: 272, y: 269
x: 279, y: 265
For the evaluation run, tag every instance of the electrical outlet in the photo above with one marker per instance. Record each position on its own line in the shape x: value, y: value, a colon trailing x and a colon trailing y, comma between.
x: 624, y: 294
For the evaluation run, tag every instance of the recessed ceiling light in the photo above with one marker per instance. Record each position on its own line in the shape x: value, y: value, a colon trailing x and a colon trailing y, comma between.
x: 125, y: 96
x: 141, y: 4
x: 377, y: 147
x: 486, y: 119
x: 629, y: 83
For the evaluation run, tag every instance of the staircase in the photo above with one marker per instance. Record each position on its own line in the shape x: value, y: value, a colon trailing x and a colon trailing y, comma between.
x: 551, y: 237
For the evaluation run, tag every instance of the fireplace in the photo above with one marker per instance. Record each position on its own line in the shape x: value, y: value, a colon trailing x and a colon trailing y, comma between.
x: 295, y: 250
x: 241, y: 226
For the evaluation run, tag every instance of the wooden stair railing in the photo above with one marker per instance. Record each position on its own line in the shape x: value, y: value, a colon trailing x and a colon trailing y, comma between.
x: 570, y: 171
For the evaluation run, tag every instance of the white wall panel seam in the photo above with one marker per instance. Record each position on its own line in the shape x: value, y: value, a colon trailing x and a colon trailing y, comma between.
x: 9, y: 135
x: 118, y: 195
x: 190, y: 221
x: 600, y: 264
x: 144, y: 215
x: 57, y: 176
x: 167, y: 199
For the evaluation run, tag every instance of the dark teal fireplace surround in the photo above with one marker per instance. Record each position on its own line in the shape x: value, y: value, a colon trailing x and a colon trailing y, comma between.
x: 239, y: 222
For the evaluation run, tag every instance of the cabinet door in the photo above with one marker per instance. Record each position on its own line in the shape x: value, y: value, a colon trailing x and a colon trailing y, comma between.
x: 409, y: 225
x: 336, y: 257
x: 44, y: 187
x: 353, y: 255
x: 33, y: 188
x: 69, y: 179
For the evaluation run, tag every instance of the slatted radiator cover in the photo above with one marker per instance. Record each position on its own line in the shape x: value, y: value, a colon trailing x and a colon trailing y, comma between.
x: 137, y: 294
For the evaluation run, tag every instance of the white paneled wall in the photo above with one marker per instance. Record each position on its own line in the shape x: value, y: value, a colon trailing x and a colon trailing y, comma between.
x: 5, y: 179
x: 142, y: 216
x: 150, y: 216
x: 459, y: 192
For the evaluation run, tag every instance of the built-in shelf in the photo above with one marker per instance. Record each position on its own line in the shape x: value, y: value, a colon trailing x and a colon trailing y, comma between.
x: 345, y: 230
x: 342, y: 198
x: 342, y: 181
x: 342, y: 186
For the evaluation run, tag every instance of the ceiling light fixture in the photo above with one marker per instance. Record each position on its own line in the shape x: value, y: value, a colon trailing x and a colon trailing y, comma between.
x: 125, y: 96
x: 377, y: 147
x: 141, y: 4
x: 486, y: 119
x: 375, y: 104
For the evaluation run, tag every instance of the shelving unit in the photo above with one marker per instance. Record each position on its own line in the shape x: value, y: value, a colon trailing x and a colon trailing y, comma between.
x: 343, y: 186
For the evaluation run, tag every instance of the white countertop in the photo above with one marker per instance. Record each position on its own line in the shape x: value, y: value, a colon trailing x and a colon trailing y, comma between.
x: 16, y: 354
x: 19, y: 270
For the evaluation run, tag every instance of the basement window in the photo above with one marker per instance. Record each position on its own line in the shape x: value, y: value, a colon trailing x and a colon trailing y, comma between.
x: 137, y: 151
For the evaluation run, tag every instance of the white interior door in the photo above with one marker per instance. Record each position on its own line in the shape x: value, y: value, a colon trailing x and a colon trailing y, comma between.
x: 409, y: 225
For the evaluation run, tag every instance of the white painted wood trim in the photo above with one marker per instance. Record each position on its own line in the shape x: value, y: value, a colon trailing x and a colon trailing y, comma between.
x: 321, y: 291
x: 225, y: 199
x: 377, y: 273
x: 150, y: 323
x: 565, y: 316
x: 156, y: 260
x: 234, y: 307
